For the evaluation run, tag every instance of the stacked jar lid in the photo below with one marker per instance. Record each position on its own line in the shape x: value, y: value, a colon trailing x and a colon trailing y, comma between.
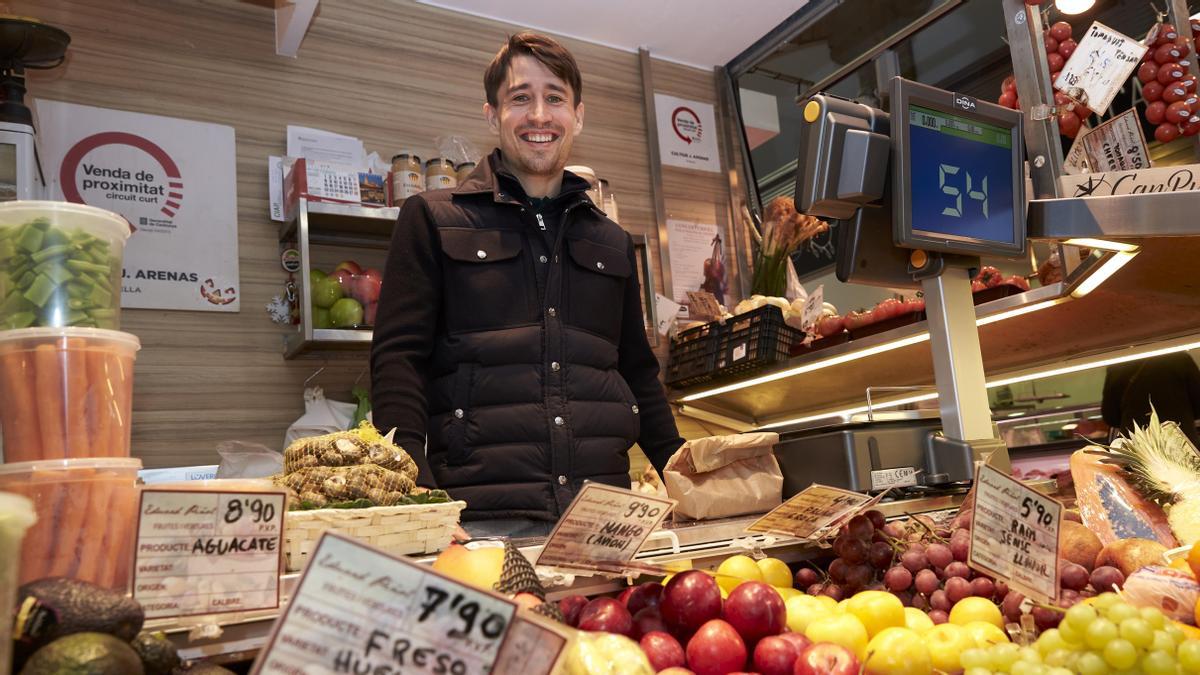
x: 66, y: 390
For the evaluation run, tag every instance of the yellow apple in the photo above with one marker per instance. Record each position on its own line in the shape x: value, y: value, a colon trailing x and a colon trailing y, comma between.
x: 916, y: 620
x: 786, y: 592
x: 840, y: 629
x: 775, y: 572
x: 946, y: 643
x: 829, y: 603
x: 897, y: 651
x: 877, y: 610
x: 976, y: 609
x: 735, y: 569
x: 985, y: 634
x: 474, y: 564
x: 803, y: 610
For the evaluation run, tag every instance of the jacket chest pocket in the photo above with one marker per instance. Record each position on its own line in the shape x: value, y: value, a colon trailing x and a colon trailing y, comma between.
x: 488, y: 281
x: 596, y: 278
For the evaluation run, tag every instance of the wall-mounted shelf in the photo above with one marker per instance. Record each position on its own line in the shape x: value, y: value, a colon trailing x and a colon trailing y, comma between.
x: 320, y: 223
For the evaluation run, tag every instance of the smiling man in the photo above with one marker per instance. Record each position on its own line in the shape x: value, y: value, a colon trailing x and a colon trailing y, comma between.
x: 509, y: 342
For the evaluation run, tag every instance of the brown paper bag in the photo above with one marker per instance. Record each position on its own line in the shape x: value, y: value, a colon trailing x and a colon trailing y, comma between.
x: 722, y: 476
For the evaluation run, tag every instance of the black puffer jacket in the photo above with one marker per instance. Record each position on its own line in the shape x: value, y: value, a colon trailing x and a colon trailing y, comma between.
x: 521, y: 356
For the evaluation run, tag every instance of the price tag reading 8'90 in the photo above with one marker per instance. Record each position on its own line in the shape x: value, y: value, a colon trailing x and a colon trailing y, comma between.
x: 360, y: 610
x: 1014, y: 534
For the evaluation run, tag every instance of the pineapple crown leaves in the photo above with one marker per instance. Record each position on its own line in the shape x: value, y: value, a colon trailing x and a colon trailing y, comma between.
x: 1161, y: 462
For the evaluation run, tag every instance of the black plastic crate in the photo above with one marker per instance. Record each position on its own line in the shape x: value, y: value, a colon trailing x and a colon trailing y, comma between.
x: 753, y: 341
x: 692, y: 356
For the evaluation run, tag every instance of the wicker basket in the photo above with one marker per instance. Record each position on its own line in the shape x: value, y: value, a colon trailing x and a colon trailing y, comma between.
x: 402, y: 530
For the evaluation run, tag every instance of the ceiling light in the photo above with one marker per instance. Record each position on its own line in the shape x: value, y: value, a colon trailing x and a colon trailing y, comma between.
x: 1074, y: 6
x: 1102, y: 244
x: 1069, y: 426
x: 1109, y: 268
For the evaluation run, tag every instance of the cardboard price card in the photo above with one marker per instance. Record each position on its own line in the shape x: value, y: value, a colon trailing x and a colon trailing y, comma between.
x: 1098, y: 69
x: 1014, y: 534
x: 207, y: 552
x: 357, y: 609
x: 603, y: 529
x: 535, y: 646
x: 809, y: 511
x: 1117, y: 145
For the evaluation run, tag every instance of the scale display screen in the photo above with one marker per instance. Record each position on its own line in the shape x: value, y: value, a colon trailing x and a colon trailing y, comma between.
x: 960, y: 169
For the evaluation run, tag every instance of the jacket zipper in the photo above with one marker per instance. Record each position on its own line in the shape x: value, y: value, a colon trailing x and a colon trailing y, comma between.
x: 541, y: 223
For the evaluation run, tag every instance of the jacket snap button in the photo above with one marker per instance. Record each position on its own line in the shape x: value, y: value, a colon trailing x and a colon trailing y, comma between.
x: 599, y: 265
x: 558, y: 421
x: 458, y: 413
x: 554, y: 366
x: 481, y: 254
x: 635, y: 410
x: 543, y: 259
x: 562, y: 480
x: 552, y: 312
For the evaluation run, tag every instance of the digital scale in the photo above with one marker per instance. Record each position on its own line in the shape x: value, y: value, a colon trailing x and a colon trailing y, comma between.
x: 922, y: 193
x: 24, y: 44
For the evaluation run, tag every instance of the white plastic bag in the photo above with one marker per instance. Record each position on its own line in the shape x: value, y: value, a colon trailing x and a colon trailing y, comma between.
x: 321, y: 416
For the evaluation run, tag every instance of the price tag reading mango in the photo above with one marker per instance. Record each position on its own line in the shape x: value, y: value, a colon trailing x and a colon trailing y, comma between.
x: 809, y: 511
x: 603, y: 529
x: 357, y: 609
x: 1014, y: 534
x: 207, y: 552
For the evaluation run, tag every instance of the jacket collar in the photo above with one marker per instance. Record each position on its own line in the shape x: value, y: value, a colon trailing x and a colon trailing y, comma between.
x: 491, y: 176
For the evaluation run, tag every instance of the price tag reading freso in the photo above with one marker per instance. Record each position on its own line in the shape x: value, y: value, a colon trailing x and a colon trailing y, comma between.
x: 603, y: 528
x: 1098, y: 69
x: 809, y: 511
x: 207, y: 552
x: 1014, y: 534
x: 359, y: 610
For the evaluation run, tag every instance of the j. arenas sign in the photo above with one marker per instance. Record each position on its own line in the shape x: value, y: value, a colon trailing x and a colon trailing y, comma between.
x: 174, y: 180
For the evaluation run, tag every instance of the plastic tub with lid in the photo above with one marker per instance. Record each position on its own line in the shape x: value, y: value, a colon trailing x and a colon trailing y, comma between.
x: 60, y: 265
x: 86, y: 518
x: 66, y: 392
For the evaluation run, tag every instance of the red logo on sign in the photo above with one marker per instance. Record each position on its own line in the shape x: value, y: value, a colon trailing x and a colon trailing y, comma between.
x: 71, y: 161
x: 686, y: 124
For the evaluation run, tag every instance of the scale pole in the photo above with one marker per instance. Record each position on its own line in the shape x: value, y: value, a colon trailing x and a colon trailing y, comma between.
x: 957, y: 359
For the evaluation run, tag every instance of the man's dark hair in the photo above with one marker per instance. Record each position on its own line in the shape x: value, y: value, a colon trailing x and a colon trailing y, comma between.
x: 549, y: 52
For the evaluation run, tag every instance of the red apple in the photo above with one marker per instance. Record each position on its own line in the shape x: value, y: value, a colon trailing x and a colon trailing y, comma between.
x: 716, y: 648
x: 647, y: 621
x: 350, y: 266
x: 637, y: 598
x: 797, y: 639
x: 755, y: 610
x: 607, y: 615
x: 369, y: 312
x: 774, y: 655
x: 690, y: 599
x: 663, y: 650
x: 826, y: 658
x: 571, y: 606
x: 676, y: 671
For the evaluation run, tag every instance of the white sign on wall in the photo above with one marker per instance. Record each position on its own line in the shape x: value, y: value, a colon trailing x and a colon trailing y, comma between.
x: 687, y: 133
x: 692, y: 248
x: 174, y: 180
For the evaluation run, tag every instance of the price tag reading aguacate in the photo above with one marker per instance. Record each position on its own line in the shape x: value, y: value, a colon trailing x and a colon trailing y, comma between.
x: 603, y: 529
x: 1014, y: 534
x: 207, y: 552
x: 808, y: 512
x: 357, y: 609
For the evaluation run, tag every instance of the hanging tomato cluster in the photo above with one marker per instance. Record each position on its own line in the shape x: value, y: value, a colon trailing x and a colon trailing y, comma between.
x: 1170, y: 91
x: 1059, y: 47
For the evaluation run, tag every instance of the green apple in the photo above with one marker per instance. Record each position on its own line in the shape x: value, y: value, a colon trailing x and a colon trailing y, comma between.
x: 320, y: 318
x: 326, y: 292
x: 315, y: 275
x: 346, y: 313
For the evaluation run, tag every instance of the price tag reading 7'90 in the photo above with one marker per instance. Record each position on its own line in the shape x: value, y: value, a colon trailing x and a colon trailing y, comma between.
x: 1014, y: 534
x: 360, y: 610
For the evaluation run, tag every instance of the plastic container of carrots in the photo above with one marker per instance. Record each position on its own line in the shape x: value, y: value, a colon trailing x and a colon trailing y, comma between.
x: 60, y: 265
x: 66, y: 392
x: 86, y: 518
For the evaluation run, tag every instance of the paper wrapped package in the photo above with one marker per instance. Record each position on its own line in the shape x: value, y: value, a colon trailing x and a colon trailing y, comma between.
x: 723, y: 476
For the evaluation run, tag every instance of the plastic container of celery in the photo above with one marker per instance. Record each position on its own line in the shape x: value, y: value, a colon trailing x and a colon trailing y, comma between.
x: 66, y: 392
x: 60, y: 265
x: 16, y: 515
x: 86, y: 518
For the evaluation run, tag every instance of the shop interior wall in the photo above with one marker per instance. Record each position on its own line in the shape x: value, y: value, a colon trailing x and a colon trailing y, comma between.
x: 396, y: 74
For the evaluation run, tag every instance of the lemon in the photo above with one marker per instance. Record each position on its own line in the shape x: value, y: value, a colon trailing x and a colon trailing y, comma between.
x: 735, y: 569
x: 775, y: 572
x: 976, y: 609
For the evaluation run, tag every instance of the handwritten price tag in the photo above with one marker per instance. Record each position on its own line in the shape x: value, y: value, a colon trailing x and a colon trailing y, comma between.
x: 1014, y: 534
x: 535, y: 646
x: 667, y: 311
x: 1098, y: 69
x: 703, y: 306
x: 603, y: 529
x: 207, y: 552
x: 1117, y: 145
x: 812, y: 308
x: 359, y: 610
x: 808, y: 512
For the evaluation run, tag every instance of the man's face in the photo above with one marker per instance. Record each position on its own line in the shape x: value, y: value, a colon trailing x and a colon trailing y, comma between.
x: 535, y: 118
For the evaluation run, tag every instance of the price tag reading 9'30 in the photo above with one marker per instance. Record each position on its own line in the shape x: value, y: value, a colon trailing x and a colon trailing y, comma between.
x: 206, y: 552
x: 360, y: 610
x: 1014, y: 534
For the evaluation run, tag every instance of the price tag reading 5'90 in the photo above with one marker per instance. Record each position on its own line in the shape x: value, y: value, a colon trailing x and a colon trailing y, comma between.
x: 360, y: 610
x: 1014, y: 534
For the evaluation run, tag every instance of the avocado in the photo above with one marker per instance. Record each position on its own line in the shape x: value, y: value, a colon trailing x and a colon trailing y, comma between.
x: 48, y: 609
x: 157, y: 653
x: 85, y: 654
x: 204, y: 668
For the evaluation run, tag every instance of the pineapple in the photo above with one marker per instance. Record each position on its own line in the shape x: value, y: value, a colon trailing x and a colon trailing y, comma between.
x: 1164, y: 466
